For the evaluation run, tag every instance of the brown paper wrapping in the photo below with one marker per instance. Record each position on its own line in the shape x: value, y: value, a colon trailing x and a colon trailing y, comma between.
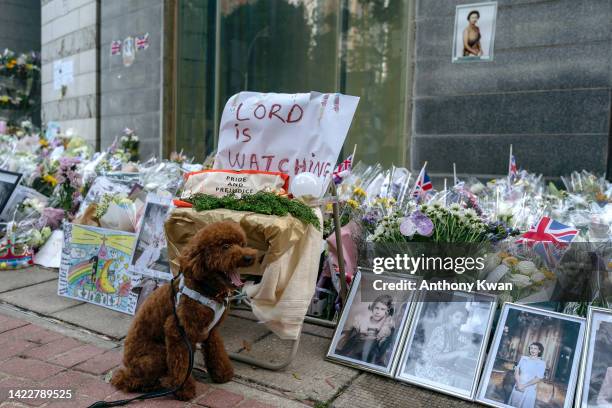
x: 289, y: 268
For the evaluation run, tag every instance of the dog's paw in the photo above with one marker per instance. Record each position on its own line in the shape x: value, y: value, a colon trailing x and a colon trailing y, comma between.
x: 187, y: 392
x: 221, y: 377
x: 119, y: 379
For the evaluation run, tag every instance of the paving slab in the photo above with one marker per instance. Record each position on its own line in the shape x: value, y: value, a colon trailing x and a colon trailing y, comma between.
x: 239, y: 333
x: 309, y: 377
x: 10, y: 280
x: 41, y: 298
x: 98, y: 319
x: 373, y: 391
x: 252, y: 392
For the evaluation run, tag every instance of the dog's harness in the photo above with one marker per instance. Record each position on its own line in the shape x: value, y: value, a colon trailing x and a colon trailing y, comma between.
x: 218, y: 308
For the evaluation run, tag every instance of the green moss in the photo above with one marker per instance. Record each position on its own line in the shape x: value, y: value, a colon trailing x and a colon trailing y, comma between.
x: 261, y: 203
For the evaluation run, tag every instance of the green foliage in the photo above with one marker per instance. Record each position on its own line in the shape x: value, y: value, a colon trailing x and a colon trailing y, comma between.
x: 261, y: 203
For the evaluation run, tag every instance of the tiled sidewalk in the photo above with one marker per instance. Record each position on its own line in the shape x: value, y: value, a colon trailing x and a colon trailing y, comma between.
x: 32, y: 357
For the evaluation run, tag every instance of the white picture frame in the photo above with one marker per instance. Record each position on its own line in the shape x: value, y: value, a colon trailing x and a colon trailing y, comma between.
x: 434, y: 334
x: 484, y: 26
x: 544, y: 343
x: 597, y: 355
x: 150, y: 253
x: 353, y: 314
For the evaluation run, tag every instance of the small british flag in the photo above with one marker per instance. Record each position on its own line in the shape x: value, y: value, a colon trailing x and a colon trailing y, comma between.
x: 423, y: 185
x: 549, y: 239
x: 142, y: 42
x: 512, y: 170
x: 343, y: 170
x: 115, y: 47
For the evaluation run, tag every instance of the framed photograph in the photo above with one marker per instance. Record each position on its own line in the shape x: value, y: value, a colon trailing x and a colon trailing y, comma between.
x: 150, y: 252
x: 533, y: 360
x: 474, y: 33
x: 370, y: 329
x: 100, y: 186
x: 20, y: 194
x: 8, y: 184
x: 595, y: 384
x: 94, y: 267
x: 446, y: 343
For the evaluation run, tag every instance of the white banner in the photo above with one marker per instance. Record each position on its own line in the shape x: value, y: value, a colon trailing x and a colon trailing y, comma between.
x: 288, y: 133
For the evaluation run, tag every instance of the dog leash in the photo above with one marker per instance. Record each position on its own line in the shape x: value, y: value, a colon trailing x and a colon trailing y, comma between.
x: 163, y: 392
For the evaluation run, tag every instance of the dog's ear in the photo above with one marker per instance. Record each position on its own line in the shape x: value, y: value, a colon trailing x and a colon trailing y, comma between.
x: 191, y: 260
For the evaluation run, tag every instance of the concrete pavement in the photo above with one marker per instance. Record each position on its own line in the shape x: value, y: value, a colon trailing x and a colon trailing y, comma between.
x: 49, y: 340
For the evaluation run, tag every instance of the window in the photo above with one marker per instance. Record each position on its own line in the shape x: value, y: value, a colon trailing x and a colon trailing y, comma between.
x: 356, y: 47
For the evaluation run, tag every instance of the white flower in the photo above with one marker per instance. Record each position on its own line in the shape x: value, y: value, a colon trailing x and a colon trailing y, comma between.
x: 538, y: 277
x: 520, y: 281
x: 70, y: 132
x: 477, y: 188
x: 454, y: 207
x: 527, y: 268
x: 470, y: 213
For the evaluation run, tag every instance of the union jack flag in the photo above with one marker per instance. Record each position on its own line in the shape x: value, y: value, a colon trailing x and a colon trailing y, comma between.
x: 549, y: 239
x: 423, y: 185
x: 115, y: 47
x: 343, y: 170
x: 142, y: 42
x: 512, y: 170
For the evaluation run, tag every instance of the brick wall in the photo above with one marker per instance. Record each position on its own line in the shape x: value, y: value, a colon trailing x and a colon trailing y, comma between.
x: 69, y: 33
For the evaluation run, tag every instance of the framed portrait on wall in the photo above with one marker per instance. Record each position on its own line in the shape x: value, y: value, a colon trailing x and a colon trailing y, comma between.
x: 533, y: 360
x: 370, y: 329
x: 446, y: 343
x: 474, y: 33
x: 595, y: 384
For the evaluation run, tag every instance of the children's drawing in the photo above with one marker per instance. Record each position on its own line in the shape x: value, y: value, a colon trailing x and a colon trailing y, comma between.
x: 95, y: 265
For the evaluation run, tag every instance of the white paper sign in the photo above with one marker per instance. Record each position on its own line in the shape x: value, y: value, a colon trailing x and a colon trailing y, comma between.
x: 288, y: 133
x: 50, y: 254
x: 63, y: 73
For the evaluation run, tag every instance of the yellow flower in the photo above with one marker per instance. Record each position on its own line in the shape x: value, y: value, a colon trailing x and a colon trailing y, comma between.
x: 29, y: 67
x: 547, y: 273
x: 359, y: 192
x: 11, y: 64
x: 510, y: 261
x: 4, y: 98
x: 329, y: 207
x: 50, y: 179
x: 352, y: 203
x: 43, y: 142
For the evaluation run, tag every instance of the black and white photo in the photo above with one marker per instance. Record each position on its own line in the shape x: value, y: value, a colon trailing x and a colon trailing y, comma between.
x: 8, y: 183
x: 595, y: 386
x: 151, y: 253
x: 445, y: 345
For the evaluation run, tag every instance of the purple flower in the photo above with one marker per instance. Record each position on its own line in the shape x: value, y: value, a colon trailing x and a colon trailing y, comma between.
x: 370, y: 218
x: 422, y: 223
x: 53, y: 217
x: 407, y: 227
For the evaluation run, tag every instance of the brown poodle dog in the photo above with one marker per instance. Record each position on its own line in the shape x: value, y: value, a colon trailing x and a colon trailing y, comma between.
x: 155, y: 355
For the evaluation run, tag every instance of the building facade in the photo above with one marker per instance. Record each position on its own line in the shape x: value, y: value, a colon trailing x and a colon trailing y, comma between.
x: 166, y: 67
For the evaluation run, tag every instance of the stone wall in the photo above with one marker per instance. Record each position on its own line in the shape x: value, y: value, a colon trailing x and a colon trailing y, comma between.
x: 548, y: 90
x: 131, y: 96
x: 69, y: 33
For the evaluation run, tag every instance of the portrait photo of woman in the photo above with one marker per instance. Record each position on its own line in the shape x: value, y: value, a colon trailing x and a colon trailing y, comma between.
x: 527, y: 374
x: 370, y: 328
x: 474, y: 32
x: 534, y: 359
x: 445, y: 345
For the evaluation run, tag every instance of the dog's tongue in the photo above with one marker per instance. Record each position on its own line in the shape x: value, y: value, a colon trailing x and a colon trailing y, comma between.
x: 235, y: 278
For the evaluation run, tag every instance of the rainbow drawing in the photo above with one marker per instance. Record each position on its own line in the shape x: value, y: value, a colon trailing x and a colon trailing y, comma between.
x: 79, y: 271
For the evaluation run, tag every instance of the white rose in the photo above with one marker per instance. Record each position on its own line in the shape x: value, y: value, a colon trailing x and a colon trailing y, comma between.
x: 520, y: 281
x: 538, y: 277
x: 527, y: 268
x: 499, y: 272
